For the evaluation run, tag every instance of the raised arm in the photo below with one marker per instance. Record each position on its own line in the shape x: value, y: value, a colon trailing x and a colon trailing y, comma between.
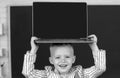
x: 34, y: 47
x: 99, y: 56
x: 29, y: 60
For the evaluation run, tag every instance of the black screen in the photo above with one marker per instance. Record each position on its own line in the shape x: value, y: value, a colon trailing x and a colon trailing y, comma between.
x: 53, y: 20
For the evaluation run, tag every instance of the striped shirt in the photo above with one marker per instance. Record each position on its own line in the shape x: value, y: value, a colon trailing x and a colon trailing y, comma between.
x: 75, y: 72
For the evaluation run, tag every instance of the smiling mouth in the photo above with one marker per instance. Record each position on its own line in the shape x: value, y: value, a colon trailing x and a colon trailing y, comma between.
x: 63, y: 66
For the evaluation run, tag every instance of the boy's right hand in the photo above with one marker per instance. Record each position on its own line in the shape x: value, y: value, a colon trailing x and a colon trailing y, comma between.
x: 34, y: 47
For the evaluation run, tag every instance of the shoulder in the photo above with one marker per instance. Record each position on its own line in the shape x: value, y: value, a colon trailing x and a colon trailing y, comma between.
x: 76, y: 68
x: 48, y: 68
x: 41, y: 73
x: 78, y: 71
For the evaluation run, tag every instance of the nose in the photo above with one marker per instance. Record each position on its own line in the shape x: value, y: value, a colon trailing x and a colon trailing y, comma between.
x: 63, y: 60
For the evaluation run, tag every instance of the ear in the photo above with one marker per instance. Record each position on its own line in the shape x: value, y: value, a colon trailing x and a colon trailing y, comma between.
x: 50, y: 60
x: 73, y: 59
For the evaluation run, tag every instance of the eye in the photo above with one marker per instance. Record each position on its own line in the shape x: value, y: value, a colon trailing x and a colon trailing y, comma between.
x: 67, y: 56
x: 57, y: 57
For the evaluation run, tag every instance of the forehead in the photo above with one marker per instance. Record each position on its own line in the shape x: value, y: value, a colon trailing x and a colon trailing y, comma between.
x: 62, y: 50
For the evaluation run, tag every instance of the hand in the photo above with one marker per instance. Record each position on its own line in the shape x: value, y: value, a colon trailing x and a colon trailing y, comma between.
x: 93, y: 37
x: 34, y: 47
x: 93, y: 45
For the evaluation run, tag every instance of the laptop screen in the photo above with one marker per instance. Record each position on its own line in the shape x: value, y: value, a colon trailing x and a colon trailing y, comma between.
x: 59, y: 20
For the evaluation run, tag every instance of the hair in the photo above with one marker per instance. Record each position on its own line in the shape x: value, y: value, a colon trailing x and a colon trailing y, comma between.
x: 60, y: 44
x: 56, y: 45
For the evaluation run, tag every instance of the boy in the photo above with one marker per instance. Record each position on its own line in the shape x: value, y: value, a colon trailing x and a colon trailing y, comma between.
x: 62, y: 57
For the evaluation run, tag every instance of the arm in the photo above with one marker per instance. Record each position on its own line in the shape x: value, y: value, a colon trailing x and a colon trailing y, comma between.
x: 29, y: 60
x: 99, y: 56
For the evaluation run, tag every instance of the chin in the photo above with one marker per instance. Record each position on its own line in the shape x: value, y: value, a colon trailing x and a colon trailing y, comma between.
x: 63, y: 70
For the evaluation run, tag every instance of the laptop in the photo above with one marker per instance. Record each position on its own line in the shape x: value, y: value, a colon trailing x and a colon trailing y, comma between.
x: 60, y: 22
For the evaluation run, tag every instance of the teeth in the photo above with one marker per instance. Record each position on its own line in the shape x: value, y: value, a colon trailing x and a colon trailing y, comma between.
x: 62, y: 65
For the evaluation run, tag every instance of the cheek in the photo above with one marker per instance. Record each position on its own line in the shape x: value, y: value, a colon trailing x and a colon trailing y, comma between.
x: 70, y: 61
x: 56, y: 61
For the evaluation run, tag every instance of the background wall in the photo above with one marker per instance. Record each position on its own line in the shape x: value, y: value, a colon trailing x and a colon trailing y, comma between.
x: 108, y: 32
x: 104, y: 22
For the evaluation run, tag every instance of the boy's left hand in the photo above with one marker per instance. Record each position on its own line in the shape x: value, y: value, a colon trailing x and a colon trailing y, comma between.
x: 93, y: 45
x: 93, y: 37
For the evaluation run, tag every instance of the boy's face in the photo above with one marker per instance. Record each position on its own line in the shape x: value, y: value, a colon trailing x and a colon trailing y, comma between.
x: 62, y: 58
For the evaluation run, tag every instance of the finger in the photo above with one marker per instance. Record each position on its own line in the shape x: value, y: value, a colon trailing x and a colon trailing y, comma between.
x: 93, y: 35
x: 33, y: 41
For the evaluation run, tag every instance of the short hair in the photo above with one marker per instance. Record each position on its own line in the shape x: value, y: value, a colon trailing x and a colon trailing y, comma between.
x: 61, y: 44
x: 55, y: 45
